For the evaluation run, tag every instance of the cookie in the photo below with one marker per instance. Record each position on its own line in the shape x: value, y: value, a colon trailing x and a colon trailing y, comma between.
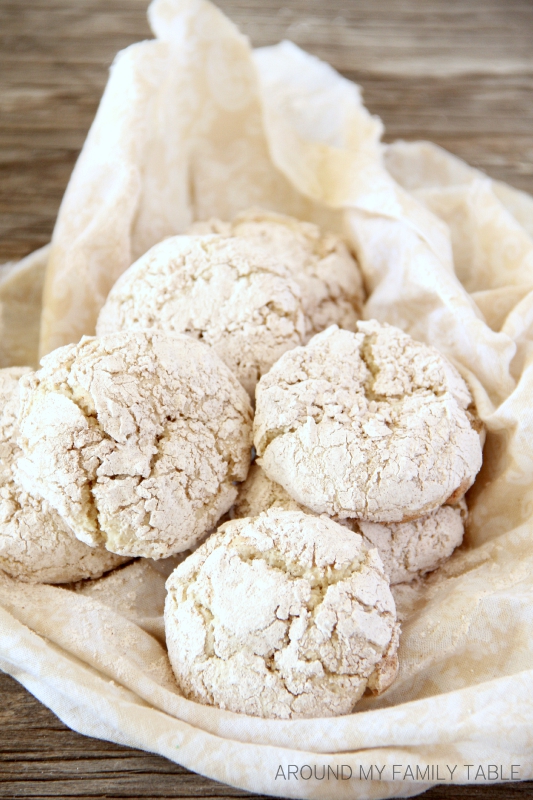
x: 285, y: 616
x: 136, y: 439
x: 258, y: 493
x: 408, y: 550
x: 227, y: 291
x: 372, y: 425
x: 328, y: 276
x: 36, y: 546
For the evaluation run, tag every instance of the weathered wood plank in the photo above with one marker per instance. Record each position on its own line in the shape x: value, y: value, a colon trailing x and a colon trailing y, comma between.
x: 41, y: 99
x: 460, y: 73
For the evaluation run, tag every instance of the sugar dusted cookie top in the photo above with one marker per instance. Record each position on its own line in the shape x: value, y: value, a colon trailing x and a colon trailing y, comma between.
x: 229, y: 292
x: 371, y: 424
x: 408, y: 550
x: 285, y: 616
x: 136, y: 439
x: 252, y: 289
x: 35, y: 544
x: 328, y: 276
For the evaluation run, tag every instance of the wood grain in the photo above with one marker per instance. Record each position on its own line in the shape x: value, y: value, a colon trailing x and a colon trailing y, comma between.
x: 458, y: 72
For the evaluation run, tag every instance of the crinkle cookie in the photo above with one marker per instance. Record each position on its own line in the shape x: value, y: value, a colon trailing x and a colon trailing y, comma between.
x: 229, y: 292
x: 408, y: 549
x: 286, y: 616
x: 372, y: 425
x: 136, y: 439
x: 327, y: 274
x: 258, y: 493
x: 35, y: 544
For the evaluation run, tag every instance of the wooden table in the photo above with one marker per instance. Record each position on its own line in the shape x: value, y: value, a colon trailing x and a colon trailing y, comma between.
x: 458, y: 72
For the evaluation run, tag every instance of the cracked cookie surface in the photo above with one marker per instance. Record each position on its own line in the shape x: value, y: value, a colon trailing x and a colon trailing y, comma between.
x: 136, y: 439
x: 227, y: 291
x: 287, y: 615
x: 328, y: 276
x: 372, y: 425
x: 36, y: 546
x: 408, y: 550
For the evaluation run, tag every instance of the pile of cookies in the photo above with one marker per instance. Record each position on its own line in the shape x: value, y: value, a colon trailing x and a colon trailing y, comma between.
x: 139, y: 441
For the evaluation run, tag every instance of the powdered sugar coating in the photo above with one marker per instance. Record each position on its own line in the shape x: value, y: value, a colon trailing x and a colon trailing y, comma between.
x: 136, y: 439
x: 408, y: 550
x: 372, y: 425
x: 258, y: 493
x: 35, y: 544
x: 328, y: 276
x: 286, y: 616
x: 229, y: 292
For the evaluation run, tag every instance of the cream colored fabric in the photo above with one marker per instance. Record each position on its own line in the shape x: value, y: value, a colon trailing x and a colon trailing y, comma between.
x: 447, y: 255
x: 21, y: 289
